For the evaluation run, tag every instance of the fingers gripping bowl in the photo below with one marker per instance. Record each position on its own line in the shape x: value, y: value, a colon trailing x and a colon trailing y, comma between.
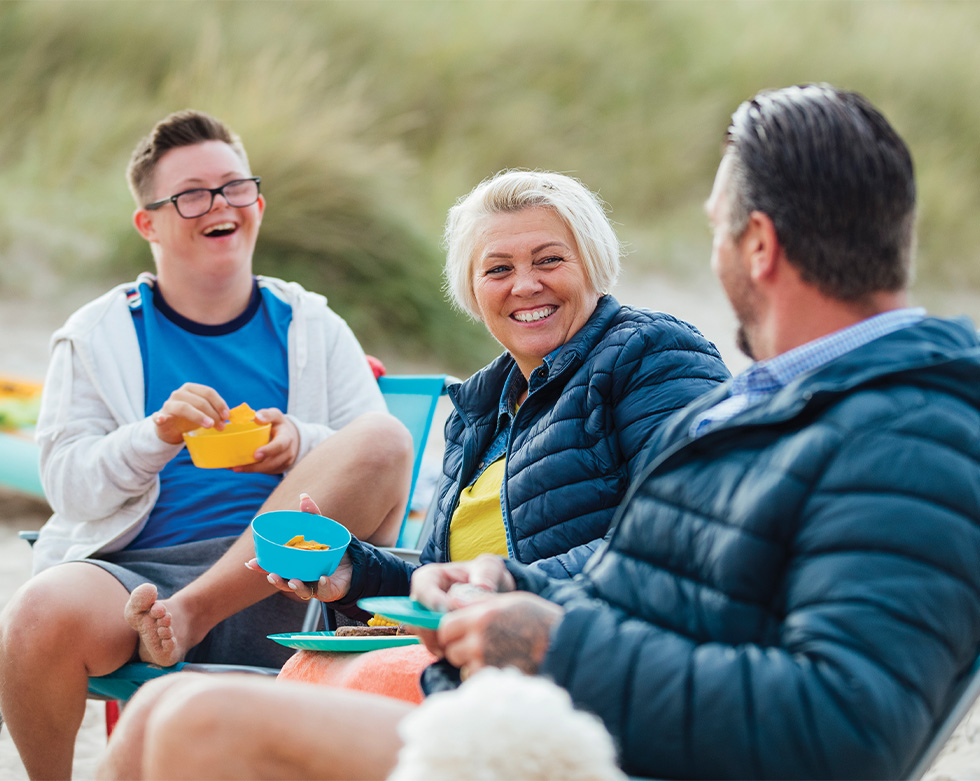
x: 235, y: 445
x: 271, y: 531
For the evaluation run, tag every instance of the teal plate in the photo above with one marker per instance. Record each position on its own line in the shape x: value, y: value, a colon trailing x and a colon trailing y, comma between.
x: 403, y: 609
x: 325, y: 641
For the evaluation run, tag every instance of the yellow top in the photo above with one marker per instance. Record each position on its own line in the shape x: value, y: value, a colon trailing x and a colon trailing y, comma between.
x: 477, y: 526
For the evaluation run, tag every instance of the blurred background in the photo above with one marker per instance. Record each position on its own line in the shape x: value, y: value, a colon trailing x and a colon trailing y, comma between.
x: 367, y: 119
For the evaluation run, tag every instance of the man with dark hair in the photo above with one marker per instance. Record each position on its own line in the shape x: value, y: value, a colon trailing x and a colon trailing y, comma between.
x: 790, y: 589
x: 182, y: 128
x: 847, y: 223
x: 127, y: 566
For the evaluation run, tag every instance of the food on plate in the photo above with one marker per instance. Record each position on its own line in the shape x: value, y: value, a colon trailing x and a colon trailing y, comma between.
x: 299, y: 541
x: 371, y: 631
x: 379, y: 620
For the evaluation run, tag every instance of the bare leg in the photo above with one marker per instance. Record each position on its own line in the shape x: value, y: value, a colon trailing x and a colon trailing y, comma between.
x: 360, y: 476
x: 62, y: 626
x: 123, y: 758
x: 255, y: 728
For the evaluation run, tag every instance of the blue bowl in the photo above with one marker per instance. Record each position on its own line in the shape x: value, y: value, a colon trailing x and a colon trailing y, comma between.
x: 271, y: 531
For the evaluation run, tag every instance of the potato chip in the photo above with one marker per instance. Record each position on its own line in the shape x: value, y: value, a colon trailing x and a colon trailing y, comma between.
x: 241, y: 414
x: 299, y: 541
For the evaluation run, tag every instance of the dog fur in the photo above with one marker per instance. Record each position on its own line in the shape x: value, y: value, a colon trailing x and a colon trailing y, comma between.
x: 502, y: 725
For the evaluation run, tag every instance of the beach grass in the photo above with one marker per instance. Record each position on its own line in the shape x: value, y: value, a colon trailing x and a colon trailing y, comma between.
x: 368, y: 119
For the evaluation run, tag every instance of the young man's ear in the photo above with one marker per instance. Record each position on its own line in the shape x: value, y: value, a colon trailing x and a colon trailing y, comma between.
x: 143, y: 220
x: 760, y: 246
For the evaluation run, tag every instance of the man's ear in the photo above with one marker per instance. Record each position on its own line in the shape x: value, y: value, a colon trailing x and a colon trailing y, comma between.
x: 143, y: 220
x: 261, y: 204
x: 760, y: 246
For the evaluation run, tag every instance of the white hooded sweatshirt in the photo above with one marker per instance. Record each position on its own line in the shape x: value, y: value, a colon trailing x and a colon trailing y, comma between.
x: 100, y: 455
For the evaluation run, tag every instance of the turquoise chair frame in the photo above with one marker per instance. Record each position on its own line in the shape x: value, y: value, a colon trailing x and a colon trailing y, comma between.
x: 413, y: 399
x: 410, y: 398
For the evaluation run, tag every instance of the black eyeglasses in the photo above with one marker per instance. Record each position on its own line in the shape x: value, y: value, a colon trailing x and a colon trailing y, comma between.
x: 198, y: 202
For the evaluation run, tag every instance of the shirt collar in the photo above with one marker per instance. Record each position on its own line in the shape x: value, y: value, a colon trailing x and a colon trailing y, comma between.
x: 775, y: 373
x: 515, y: 385
x: 763, y: 379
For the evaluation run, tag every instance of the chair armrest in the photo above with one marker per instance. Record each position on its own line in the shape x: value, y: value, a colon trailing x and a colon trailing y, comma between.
x: 123, y: 683
x: 228, y: 668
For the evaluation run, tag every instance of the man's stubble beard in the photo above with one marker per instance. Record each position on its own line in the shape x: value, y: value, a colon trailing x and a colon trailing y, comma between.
x: 743, y: 342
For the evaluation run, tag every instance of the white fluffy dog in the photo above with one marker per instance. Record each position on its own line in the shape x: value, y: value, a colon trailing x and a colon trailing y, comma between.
x: 502, y: 725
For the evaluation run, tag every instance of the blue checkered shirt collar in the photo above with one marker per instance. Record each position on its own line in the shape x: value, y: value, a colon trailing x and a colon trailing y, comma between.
x: 514, y: 386
x: 761, y: 380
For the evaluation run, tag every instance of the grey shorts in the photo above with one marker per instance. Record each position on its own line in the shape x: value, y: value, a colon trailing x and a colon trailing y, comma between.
x: 240, y: 639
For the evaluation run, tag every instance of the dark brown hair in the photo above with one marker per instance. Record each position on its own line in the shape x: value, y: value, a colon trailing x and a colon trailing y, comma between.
x: 837, y: 182
x: 182, y: 128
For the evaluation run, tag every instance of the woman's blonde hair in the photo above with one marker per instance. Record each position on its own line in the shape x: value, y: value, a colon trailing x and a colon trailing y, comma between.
x: 583, y: 213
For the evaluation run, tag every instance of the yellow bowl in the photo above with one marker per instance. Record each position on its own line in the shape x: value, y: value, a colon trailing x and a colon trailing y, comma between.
x: 235, y: 446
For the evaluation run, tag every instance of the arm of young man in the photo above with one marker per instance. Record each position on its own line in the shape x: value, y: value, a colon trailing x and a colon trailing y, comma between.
x: 91, y: 465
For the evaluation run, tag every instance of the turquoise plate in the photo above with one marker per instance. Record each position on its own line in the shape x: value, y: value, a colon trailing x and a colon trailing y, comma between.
x: 326, y: 641
x: 403, y: 609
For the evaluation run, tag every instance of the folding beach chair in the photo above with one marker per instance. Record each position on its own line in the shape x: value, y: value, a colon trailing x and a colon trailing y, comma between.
x: 410, y: 398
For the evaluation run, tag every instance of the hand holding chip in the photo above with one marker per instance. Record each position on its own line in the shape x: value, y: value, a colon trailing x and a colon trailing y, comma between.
x: 283, y: 448
x: 502, y: 630
x: 483, y: 627
x: 189, y: 407
x: 441, y: 586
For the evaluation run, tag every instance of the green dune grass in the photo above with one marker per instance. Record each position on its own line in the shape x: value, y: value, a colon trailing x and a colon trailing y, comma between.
x: 368, y: 119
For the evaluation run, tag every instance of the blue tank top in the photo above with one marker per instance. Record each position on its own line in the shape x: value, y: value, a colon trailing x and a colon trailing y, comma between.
x: 244, y: 360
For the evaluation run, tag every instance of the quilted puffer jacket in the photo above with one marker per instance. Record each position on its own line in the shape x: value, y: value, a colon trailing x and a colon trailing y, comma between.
x: 576, y: 442
x: 796, y: 593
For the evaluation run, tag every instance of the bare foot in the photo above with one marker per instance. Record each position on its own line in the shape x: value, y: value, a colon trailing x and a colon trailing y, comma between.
x: 151, y: 619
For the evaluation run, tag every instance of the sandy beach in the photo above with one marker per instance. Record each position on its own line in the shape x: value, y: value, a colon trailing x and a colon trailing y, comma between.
x: 25, y: 355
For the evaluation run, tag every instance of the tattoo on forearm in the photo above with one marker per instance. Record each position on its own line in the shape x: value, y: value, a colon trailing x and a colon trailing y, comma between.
x: 519, y: 639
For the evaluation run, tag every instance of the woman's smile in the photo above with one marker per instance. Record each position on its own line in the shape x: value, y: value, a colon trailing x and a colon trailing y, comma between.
x: 530, y: 283
x: 534, y: 315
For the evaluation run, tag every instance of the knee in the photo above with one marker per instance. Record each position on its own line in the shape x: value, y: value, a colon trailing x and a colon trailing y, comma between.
x: 151, y: 694
x: 198, y: 702
x: 38, y: 615
x: 128, y: 747
x: 182, y: 713
x: 129, y: 736
x: 387, y: 443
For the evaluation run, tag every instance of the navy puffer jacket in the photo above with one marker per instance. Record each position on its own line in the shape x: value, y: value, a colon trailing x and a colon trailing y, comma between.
x: 795, y: 593
x: 576, y: 442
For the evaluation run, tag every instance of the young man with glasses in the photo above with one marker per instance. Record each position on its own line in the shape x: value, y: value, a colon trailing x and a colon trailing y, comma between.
x: 126, y: 566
